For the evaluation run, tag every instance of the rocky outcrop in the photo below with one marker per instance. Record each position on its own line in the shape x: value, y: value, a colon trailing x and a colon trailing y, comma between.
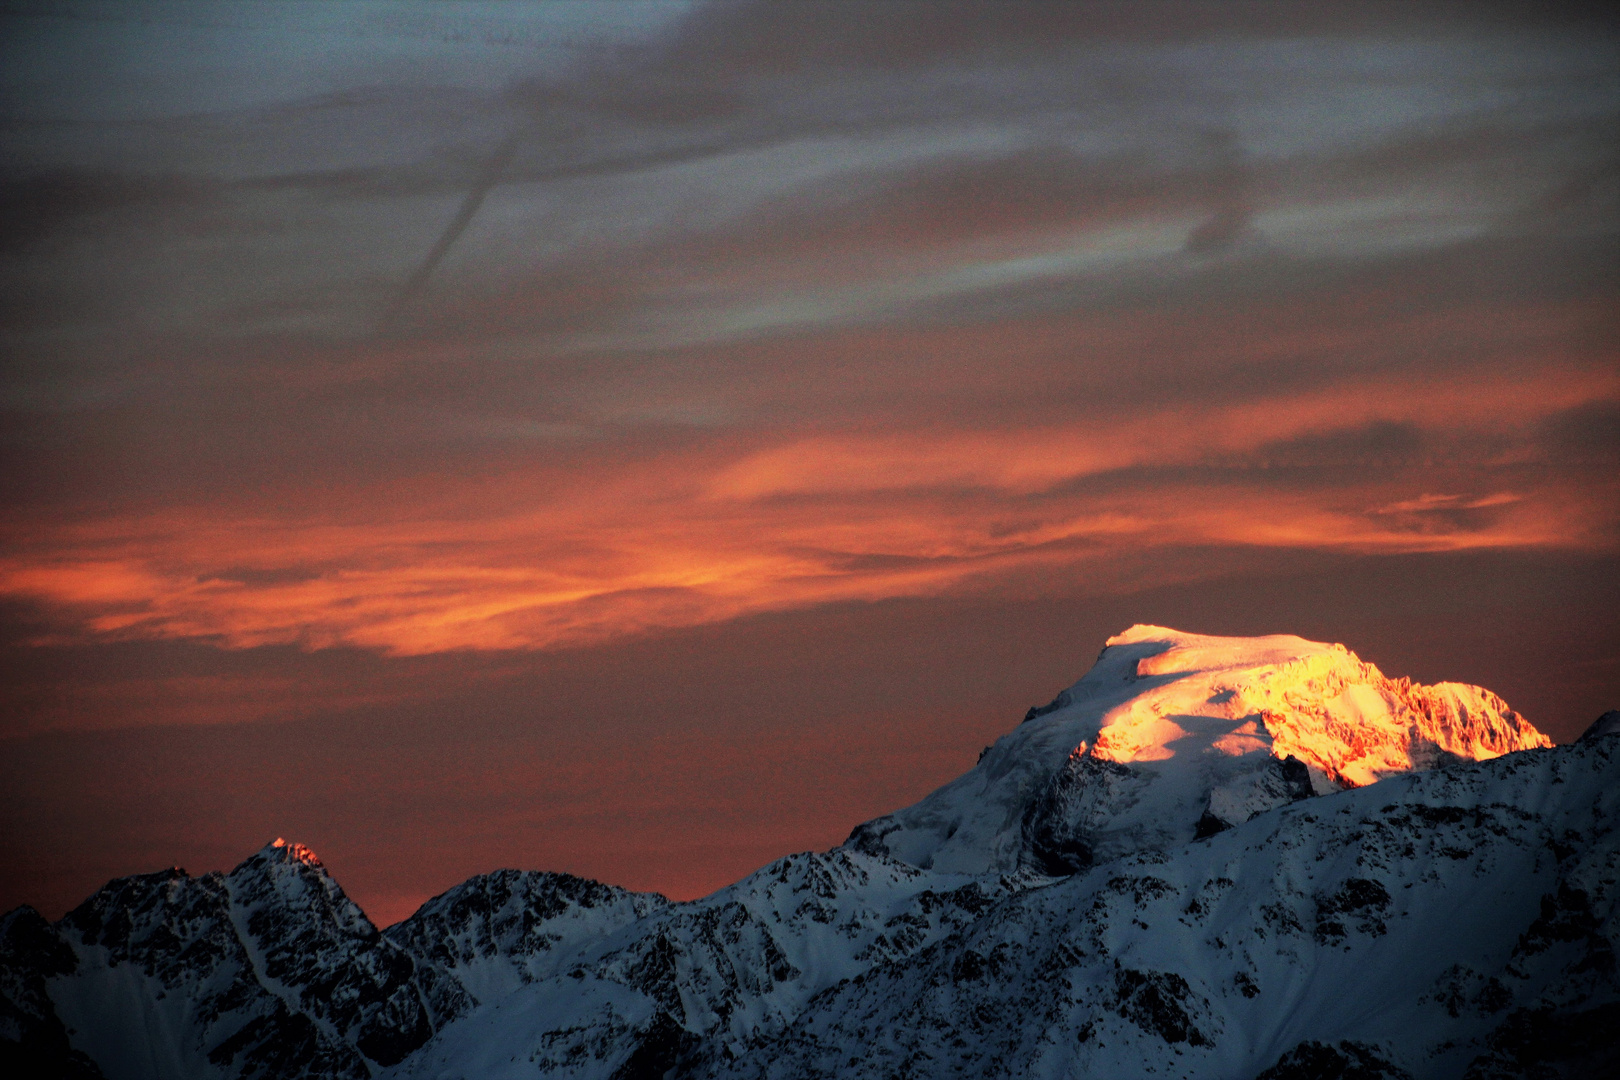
x: 497, y: 932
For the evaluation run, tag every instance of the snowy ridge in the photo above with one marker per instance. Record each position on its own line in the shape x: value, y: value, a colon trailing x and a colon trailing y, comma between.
x: 497, y: 932
x: 32, y: 1037
x: 1607, y: 724
x: 1247, y: 858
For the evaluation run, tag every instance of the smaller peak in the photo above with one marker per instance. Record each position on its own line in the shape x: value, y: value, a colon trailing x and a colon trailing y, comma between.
x: 283, y: 851
x: 1607, y: 724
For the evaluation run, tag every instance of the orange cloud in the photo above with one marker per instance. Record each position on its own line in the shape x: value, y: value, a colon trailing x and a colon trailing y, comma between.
x: 715, y: 531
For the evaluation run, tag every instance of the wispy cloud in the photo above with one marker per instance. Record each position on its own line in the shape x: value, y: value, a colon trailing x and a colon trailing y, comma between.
x: 753, y: 307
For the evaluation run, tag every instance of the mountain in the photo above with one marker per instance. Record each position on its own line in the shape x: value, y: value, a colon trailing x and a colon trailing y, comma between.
x: 1233, y: 857
x: 1171, y: 736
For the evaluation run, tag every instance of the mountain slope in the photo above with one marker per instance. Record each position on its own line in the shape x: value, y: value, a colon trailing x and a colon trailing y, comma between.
x: 1167, y: 732
x: 33, y: 1041
x: 1444, y: 925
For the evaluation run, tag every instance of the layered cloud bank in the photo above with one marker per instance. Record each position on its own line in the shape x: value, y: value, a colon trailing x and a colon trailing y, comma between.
x: 510, y: 329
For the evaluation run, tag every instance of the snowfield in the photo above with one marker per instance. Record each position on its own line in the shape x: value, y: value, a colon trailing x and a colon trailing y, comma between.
x: 1210, y: 857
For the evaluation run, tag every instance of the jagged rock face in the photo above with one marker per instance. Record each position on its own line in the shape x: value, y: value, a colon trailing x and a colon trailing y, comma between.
x: 497, y: 932
x: 1448, y: 924
x: 1172, y: 736
x: 694, y: 980
x: 267, y: 971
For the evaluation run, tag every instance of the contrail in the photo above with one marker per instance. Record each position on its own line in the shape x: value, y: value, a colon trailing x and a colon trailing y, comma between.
x: 491, y: 174
x: 486, y: 179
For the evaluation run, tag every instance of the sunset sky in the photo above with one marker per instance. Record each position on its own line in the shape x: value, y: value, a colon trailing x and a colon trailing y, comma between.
x: 645, y: 439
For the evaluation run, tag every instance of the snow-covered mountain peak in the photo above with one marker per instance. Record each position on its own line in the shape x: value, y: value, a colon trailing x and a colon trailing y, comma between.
x: 1174, y: 735
x: 1317, y: 702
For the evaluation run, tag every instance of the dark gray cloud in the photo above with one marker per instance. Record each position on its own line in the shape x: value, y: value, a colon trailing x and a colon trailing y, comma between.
x: 1144, y: 132
x: 35, y: 206
x: 1376, y: 446
x: 1587, y: 435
